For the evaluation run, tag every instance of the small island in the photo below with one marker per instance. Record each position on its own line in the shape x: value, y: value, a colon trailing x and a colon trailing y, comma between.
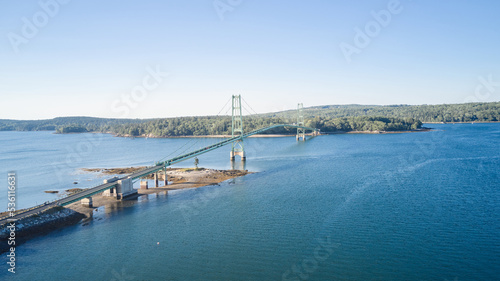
x: 59, y: 217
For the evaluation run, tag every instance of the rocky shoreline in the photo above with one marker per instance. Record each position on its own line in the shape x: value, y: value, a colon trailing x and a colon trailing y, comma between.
x: 38, y: 225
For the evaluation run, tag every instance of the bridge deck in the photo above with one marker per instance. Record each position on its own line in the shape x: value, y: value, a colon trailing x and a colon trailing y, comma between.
x: 149, y: 170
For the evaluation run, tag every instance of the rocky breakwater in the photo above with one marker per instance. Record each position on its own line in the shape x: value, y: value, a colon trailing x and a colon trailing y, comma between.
x: 37, y: 225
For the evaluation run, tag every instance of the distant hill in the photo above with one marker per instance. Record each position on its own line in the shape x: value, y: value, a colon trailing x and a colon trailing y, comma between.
x: 88, y: 123
x: 469, y: 112
x: 328, y: 118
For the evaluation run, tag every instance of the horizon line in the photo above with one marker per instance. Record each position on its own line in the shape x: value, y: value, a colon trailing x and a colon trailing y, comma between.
x: 188, y: 116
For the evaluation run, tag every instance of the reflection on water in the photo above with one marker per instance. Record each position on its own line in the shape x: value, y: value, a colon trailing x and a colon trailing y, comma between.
x: 238, y: 165
x: 422, y: 206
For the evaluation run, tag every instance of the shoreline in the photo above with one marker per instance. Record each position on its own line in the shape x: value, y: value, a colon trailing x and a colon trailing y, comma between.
x: 468, y: 122
x: 270, y: 135
x: 201, y: 136
x: 178, y: 179
x: 424, y: 129
x: 391, y: 132
x: 76, y: 213
x: 274, y: 135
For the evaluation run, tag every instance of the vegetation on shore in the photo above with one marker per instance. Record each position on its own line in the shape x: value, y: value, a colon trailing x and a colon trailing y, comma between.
x: 331, y: 118
x: 449, y: 113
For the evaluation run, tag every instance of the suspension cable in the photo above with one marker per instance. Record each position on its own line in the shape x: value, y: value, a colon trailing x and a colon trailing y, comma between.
x: 172, y: 153
x: 188, y: 148
x: 248, y: 106
x: 249, y: 113
x: 224, y: 106
x: 177, y: 149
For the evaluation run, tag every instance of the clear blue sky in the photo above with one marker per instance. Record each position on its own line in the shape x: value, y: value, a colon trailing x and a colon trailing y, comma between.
x: 86, y: 57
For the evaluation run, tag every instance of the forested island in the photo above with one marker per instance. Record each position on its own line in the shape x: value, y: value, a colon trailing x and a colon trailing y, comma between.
x: 330, y: 118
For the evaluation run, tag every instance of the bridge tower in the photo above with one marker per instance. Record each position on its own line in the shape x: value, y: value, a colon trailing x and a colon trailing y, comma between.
x: 301, y: 132
x: 237, y: 129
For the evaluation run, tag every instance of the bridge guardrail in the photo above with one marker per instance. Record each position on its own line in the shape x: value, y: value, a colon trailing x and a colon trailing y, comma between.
x: 22, y: 211
x: 174, y: 161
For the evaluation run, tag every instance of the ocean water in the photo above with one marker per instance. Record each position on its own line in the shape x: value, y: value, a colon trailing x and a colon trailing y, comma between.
x: 417, y: 206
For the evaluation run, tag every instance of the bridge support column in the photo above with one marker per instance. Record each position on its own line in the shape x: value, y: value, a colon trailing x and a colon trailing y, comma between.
x: 301, y: 132
x: 110, y: 192
x: 239, y: 153
x: 125, y: 188
x: 238, y: 166
x: 144, y: 184
x: 87, y: 202
x: 237, y: 129
x: 165, y: 177
x: 156, y: 179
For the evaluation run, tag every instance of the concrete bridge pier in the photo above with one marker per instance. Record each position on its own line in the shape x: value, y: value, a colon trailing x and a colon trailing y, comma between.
x: 144, y: 184
x: 87, y: 202
x: 110, y: 192
x: 156, y: 179
x: 233, y: 154
x: 125, y: 188
x: 165, y: 177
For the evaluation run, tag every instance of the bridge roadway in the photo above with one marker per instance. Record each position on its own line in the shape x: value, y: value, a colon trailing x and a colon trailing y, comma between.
x: 139, y: 174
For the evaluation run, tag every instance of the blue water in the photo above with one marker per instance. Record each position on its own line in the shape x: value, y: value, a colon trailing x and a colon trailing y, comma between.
x: 418, y: 206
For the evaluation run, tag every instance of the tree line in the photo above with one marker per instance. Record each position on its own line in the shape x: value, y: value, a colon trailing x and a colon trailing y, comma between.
x: 331, y: 118
x: 448, y: 113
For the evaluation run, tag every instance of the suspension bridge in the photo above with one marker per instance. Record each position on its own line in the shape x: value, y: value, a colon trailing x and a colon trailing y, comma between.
x: 122, y: 187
